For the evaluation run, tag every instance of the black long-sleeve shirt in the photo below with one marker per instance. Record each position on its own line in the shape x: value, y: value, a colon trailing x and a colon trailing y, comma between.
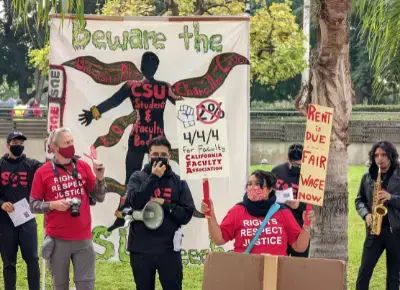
x: 16, y: 177
x: 178, y: 209
x: 285, y: 179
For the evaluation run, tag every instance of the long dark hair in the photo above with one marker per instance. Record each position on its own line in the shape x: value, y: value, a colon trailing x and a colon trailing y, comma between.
x: 390, y: 150
x: 265, y: 178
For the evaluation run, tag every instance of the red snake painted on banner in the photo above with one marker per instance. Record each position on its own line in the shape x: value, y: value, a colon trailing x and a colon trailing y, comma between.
x: 148, y: 97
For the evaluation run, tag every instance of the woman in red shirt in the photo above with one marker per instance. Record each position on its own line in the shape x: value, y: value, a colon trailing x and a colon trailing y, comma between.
x: 61, y: 189
x: 244, y: 219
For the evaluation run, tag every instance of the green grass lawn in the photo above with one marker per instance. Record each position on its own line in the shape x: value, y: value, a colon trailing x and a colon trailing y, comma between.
x: 118, y: 275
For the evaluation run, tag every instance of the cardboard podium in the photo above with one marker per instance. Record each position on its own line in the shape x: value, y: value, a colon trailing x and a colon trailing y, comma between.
x: 237, y: 271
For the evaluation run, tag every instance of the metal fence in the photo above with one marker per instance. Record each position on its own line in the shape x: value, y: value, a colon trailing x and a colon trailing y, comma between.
x: 365, y: 127
x: 32, y: 127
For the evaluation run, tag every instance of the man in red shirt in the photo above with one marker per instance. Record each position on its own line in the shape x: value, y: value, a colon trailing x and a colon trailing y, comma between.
x: 61, y: 190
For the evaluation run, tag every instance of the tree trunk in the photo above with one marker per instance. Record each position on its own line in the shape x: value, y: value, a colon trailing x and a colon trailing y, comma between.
x: 23, y: 88
x: 330, y: 85
x: 39, y: 85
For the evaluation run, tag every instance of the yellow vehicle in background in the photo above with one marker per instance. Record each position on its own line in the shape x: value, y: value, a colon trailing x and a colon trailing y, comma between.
x: 29, y: 110
x: 18, y: 112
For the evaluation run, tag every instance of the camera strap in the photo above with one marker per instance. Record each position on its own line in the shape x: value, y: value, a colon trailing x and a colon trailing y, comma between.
x: 74, y: 174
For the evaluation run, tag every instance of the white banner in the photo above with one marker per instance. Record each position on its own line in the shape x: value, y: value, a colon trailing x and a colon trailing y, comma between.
x: 203, y: 140
x: 126, y: 80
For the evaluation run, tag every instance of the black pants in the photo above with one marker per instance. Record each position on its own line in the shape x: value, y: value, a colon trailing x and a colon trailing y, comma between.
x: 24, y: 236
x: 168, y: 265
x: 293, y: 253
x: 373, y: 249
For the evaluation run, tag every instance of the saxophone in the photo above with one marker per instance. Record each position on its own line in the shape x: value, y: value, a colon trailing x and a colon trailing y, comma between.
x: 378, y: 209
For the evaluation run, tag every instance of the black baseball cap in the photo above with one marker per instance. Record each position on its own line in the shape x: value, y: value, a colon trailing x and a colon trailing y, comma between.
x: 15, y: 135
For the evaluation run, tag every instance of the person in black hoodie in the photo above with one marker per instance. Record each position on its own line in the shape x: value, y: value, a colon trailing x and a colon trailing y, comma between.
x: 288, y: 175
x: 384, y: 155
x: 17, y: 173
x: 152, y: 250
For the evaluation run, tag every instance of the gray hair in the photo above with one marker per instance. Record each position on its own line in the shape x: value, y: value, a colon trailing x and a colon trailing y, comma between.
x: 55, y: 135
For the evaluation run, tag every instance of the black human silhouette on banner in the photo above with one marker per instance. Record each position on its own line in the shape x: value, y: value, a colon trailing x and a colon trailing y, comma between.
x: 148, y: 97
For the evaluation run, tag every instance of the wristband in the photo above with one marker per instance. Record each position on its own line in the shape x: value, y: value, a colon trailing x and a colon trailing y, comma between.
x: 95, y: 112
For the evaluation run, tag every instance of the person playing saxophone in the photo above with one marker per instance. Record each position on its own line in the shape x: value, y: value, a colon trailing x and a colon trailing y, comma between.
x: 382, y: 224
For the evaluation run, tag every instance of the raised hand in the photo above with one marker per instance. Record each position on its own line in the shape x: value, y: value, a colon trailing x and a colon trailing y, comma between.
x: 186, y: 115
x: 158, y: 169
x: 98, y: 169
x: 209, y: 210
x: 308, y: 217
x: 86, y: 118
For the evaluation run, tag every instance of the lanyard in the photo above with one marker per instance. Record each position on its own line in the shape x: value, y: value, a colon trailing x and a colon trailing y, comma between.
x: 74, y: 175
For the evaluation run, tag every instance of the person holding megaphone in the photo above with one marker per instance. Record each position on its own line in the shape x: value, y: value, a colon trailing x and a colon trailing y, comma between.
x: 156, y: 246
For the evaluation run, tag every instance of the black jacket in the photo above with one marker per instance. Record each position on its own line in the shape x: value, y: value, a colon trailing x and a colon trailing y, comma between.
x: 16, y: 180
x: 364, y: 197
x: 178, y: 209
x: 285, y: 179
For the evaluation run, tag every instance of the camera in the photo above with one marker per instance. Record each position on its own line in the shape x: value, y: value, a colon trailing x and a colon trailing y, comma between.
x: 75, y: 204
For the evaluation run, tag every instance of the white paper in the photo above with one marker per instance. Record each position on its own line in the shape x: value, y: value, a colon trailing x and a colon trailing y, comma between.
x: 21, y: 213
x: 178, y: 240
x: 283, y: 195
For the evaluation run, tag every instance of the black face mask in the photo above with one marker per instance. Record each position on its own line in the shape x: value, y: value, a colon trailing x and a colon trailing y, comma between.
x: 17, y: 150
x: 295, y: 170
x: 164, y: 161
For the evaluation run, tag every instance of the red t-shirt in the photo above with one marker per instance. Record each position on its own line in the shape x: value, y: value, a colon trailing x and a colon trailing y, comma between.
x: 47, y: 187
x: 281, y: 229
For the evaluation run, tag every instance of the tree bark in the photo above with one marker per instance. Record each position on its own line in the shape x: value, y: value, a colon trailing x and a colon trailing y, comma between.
x: 171, y: 5
x: 39, y: 85
x: 330, y: 85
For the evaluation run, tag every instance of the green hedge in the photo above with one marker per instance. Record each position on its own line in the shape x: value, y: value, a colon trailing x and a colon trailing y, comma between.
x: 357, y: 108
x: 376, y: 108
